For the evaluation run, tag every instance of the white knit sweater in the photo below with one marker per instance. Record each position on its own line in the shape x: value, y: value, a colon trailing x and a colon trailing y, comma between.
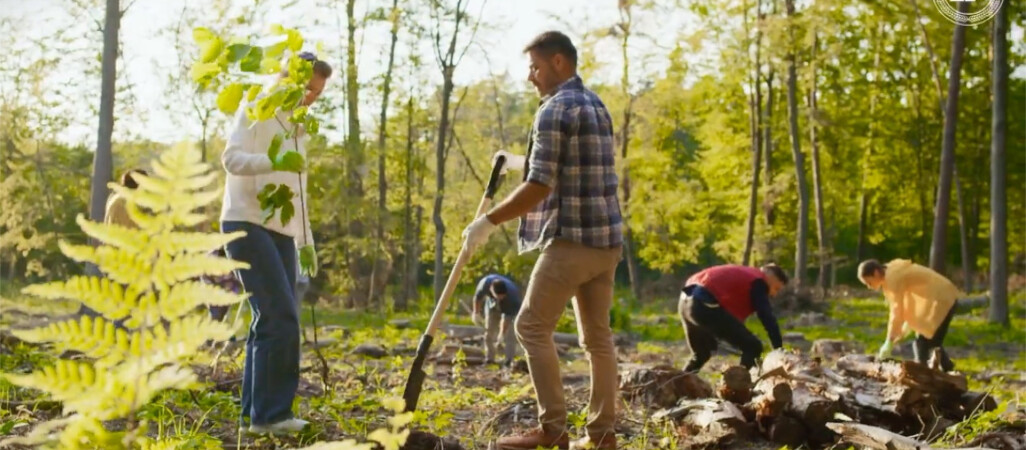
x: 249, y: 170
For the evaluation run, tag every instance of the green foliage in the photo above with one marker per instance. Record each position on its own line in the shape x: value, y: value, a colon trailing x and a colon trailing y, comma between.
x: 125, y: 368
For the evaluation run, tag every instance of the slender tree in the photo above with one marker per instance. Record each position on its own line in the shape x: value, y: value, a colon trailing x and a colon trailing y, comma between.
x: 379, y: 274
x: 103, y: 161
x: 625, y: 183
x: 755, y: 108
x: 947, y: 164
x: 816, y: 179
x: 801, y: 243
x: 998, y: 194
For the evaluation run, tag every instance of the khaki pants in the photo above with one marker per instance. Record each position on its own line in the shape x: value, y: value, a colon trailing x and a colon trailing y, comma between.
x: 566, y: 270
x: 493, y: 319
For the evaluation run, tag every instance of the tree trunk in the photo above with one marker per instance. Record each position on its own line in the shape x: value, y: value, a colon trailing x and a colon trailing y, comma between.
x: 625, y: 183
x: 947, y: 164
x: 103, y: 160
x: 799, y: 161
x: 998, y: 196
x: 436, y: 214
x: 967, y: 283
x: 860, y: 245
x: 359, y: 267
x: 767, y: 143
x: 754, y: 108
x: 379, y: 274
x: 817, y: 181
x: 410, y: 258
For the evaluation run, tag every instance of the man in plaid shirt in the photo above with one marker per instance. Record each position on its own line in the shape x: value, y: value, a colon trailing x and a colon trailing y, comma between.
x: 569, y: 210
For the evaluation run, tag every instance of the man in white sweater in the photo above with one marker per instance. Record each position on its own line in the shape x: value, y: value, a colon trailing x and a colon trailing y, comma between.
x: 271, y: 373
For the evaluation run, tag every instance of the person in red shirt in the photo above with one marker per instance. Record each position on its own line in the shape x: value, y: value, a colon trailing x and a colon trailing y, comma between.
x: 715, y: 302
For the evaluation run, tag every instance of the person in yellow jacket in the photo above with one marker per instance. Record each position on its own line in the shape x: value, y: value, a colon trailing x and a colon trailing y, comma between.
x: 920, y: 299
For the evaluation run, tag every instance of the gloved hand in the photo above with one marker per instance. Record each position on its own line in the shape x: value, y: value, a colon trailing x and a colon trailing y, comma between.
x: 477, y: 232
x: 513, y: 161
x: 885, y: 350
x: 289, y: 161
x: 475, y: 318
x: 906, y: 331
x: 308, y: 260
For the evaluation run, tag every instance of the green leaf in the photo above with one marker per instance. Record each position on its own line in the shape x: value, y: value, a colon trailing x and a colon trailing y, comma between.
x: 266, y: 106
x: 292, y: 98
x: 253, y: 92
x: 287, y: 211
x: 276, y: 50
x: 295, y: 40
x: 229, y: 98
x: 203, y: 72
x: 312, y: 125
x: 270, y: 65
x: 203, y: 35
x: 308, y: 260
x: 275, y: 147
x: 299, y: 114
x: 253, y: 60
x: 238, y: 51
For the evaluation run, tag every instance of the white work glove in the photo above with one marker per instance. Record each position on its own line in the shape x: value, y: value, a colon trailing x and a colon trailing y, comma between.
x: 513, y: 161
x: 477, y: 232
x: 475, y: 318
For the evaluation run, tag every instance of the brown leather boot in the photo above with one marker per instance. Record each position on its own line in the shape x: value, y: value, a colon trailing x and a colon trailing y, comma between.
x: 534, y: 439
x: 607, y: 442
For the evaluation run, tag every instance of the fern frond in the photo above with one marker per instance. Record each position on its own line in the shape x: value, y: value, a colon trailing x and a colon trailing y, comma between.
x: 177, y: 242
x: 149, y: 349
x: 45, y: 432
x: 167, y: 271
x: 94, y: 337
x: 119, y: 265
x: 66, y: 381
x: 125, y: 238
x: 102, y: 295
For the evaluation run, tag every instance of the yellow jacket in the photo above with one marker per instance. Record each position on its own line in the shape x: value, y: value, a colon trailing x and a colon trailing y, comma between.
x: 918, y: 296
x: 117, y: 212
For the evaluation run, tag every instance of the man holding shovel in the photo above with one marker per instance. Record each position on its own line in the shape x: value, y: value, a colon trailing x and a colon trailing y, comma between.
x: 568, y: 210
x: 500, y: 299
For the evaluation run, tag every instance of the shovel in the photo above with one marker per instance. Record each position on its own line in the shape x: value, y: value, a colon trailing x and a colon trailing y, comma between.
x: 415, y: 381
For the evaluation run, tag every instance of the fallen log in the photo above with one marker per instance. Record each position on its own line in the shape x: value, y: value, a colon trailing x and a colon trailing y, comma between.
x: 909, y: 373
x: 736, y: 385
x: 814, y: 410
x: 662, y: 386
x: 773, y: 396
x: 973, y: 402
x: 879, y: 438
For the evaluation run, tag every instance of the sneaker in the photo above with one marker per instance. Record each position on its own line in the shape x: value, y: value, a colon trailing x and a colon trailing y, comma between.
x: 534, y: 439
x: 607, y: 442
x: 287, y: 426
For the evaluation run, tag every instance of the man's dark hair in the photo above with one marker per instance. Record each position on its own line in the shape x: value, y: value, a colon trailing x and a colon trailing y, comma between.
x: 498, y: 287
x: 777, y: 272
x: 553, y: 42
x: 128, y: 181
x: 319, y: 66
x: 871, y: 267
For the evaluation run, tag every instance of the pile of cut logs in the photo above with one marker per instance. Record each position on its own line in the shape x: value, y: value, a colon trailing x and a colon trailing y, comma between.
x: 794, y: 400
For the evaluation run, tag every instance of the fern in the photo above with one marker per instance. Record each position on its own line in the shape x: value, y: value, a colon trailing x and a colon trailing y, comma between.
x: 148, y: 287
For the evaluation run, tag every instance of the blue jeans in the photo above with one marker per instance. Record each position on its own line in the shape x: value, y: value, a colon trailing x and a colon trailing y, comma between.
x: 271, y: 374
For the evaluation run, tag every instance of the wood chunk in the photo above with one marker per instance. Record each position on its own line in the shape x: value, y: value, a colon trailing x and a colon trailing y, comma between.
x: 787, y: 431
x: 662, y: 386
x: 712, y: 423
x: 909, y: 373
x: 773, y: 396
x: 875, y: 437
x: 736, y: 385
x: 814, y: 411
x: 981, y: 401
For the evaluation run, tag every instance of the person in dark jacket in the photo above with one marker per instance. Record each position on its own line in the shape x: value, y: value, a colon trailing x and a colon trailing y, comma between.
x: 715, y: 302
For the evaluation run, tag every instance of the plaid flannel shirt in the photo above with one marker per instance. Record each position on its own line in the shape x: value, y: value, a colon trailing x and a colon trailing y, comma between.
x: 571, y: 150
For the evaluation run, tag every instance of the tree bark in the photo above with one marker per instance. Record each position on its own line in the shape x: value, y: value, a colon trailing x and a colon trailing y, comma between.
x: 755, y: 108
x: 799, y: 159
x: 379, y: 274
x: 625, y: 183
x: 998, y: 196
x: 967, y: 274
x: 767, y: 143
x: 816, y: 179
x: 410, y: 258
x: 103, y: 161
x: 947, y: 164
x: 860, y: 245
